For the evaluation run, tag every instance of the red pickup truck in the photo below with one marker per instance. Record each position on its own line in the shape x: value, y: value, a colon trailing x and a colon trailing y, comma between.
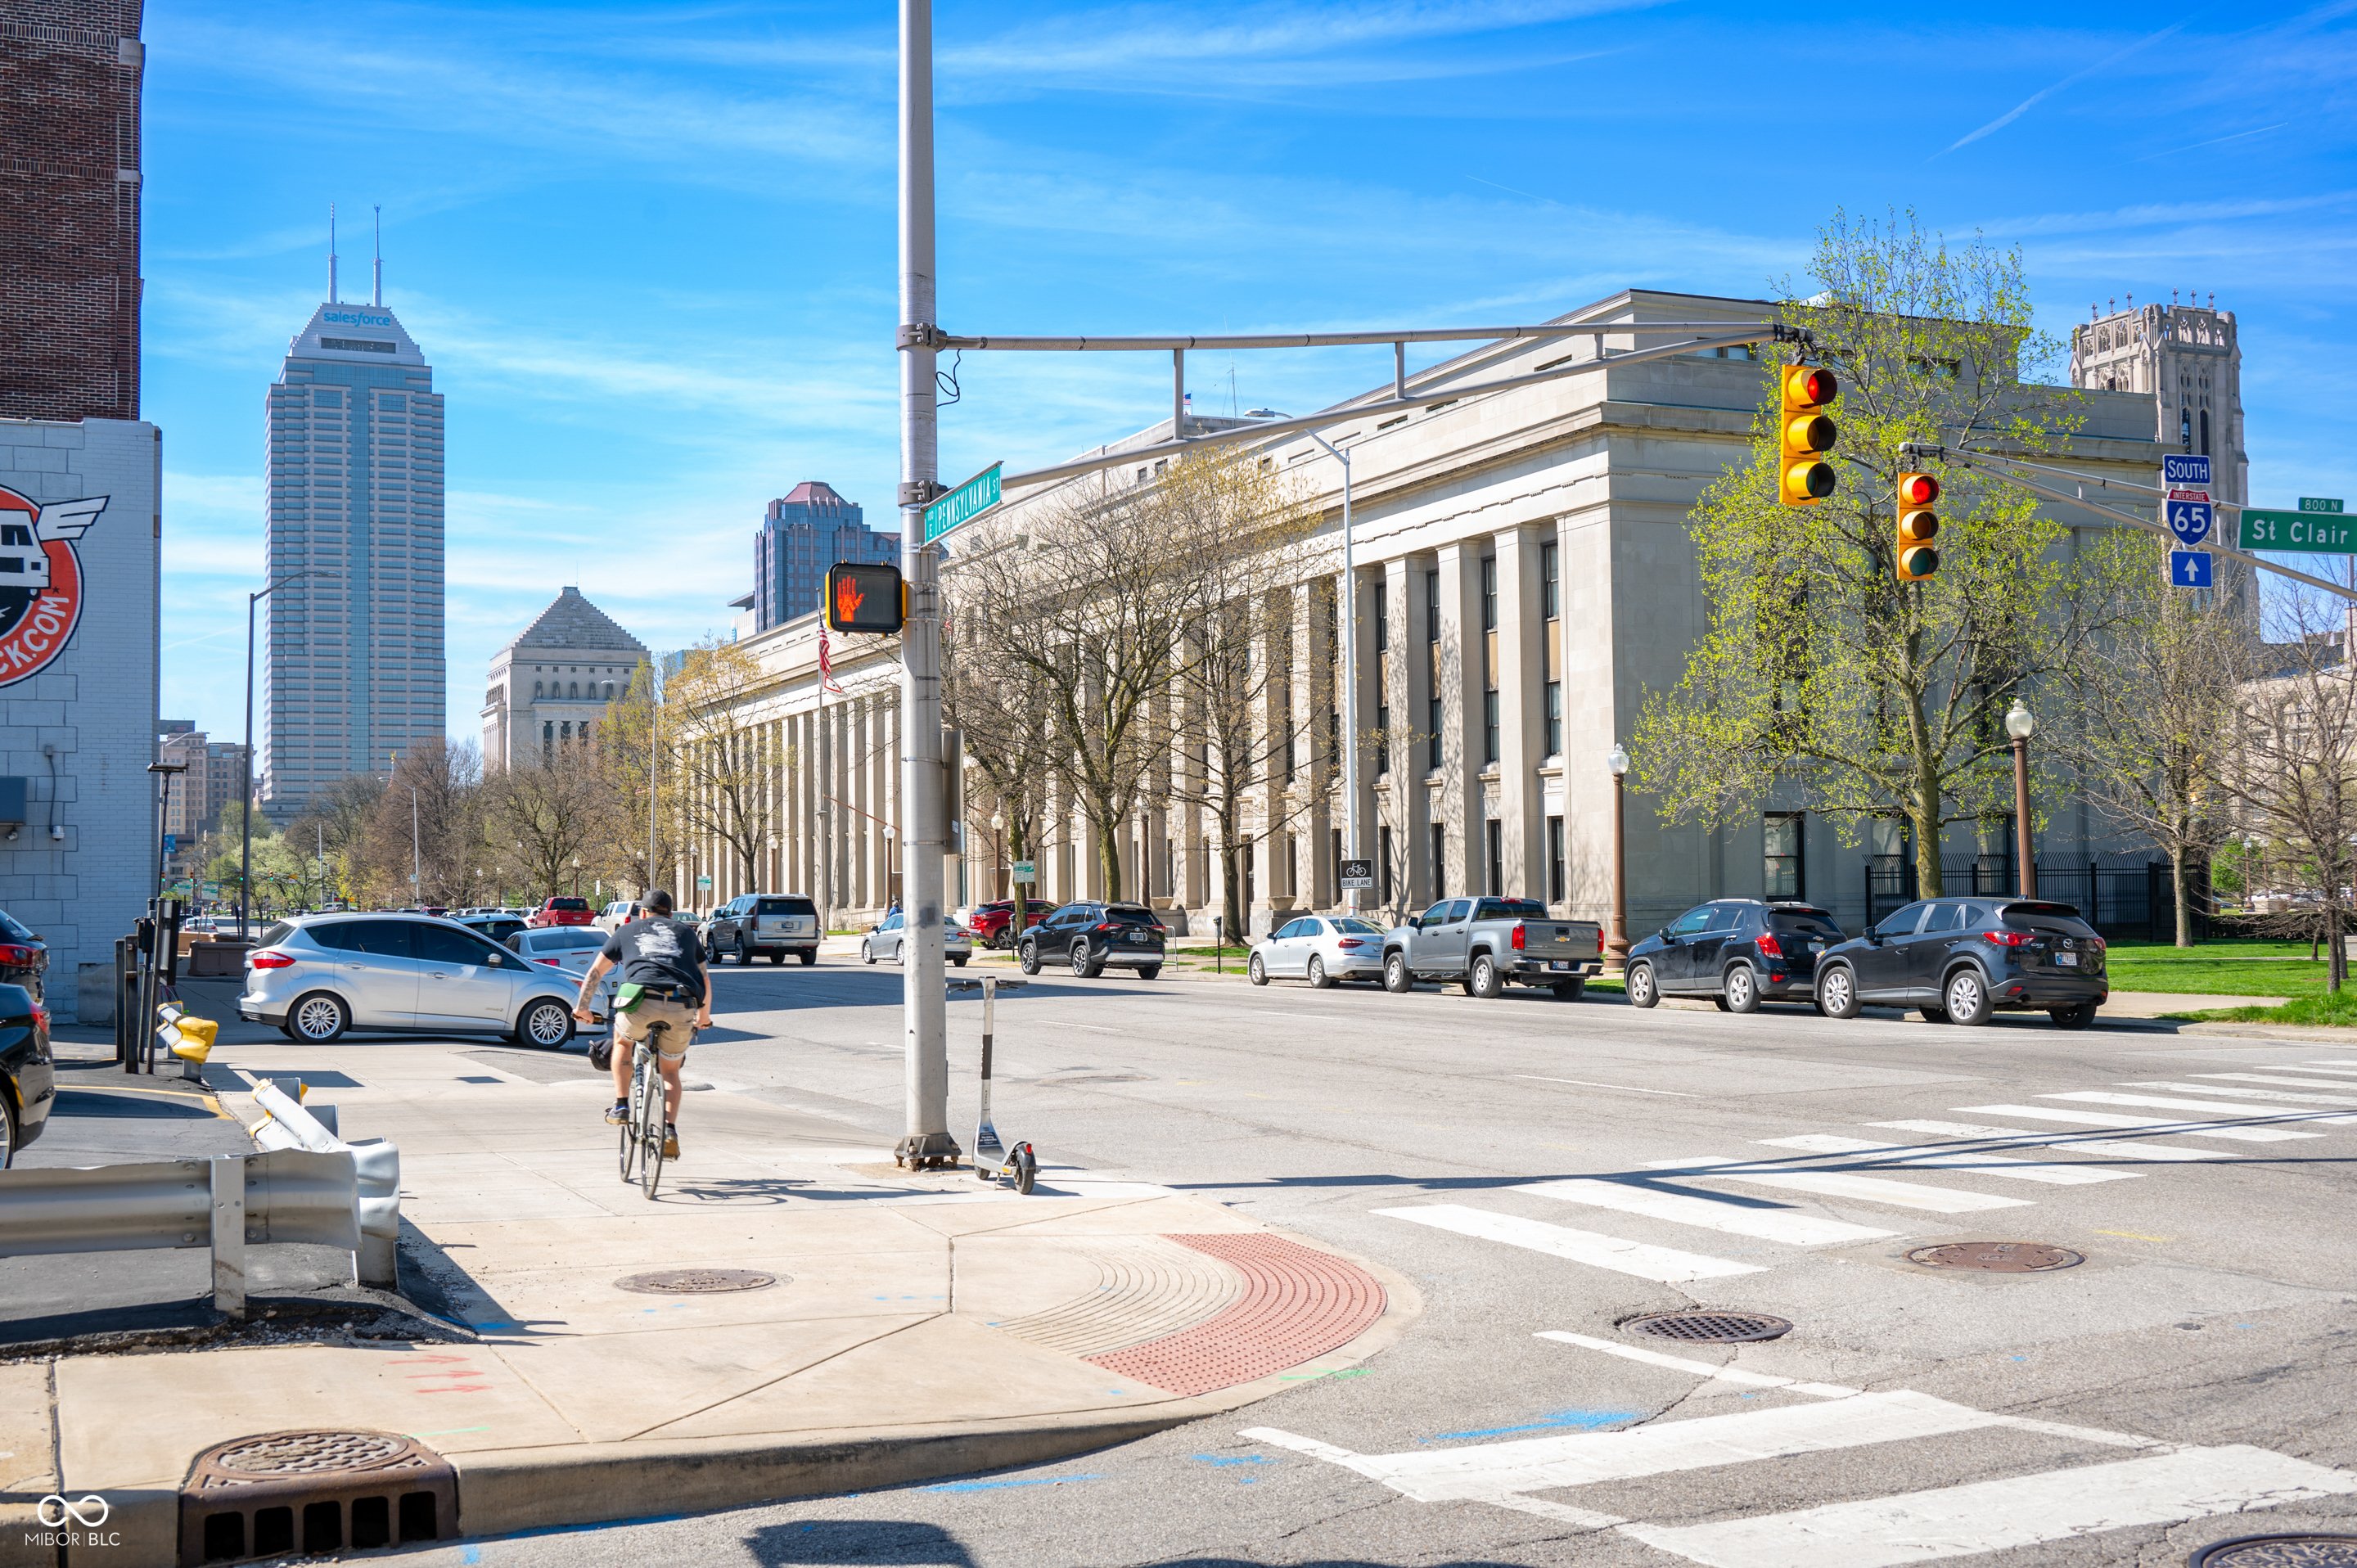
x: 562, y: 912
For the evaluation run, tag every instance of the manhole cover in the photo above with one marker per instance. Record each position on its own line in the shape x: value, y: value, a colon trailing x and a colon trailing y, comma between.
x: 311, y: 1453
x: 1997, y: 1257
x: 696, y: 1281
x: 1717, y: 1328
x: 2278, y: 1551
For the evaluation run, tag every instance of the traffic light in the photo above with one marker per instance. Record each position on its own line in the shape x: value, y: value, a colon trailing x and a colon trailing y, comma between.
x: 1807, y: 432
x: 865, y: 598
x: 1918, y: 526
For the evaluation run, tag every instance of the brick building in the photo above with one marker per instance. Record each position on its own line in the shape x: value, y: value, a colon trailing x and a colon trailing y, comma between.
x: 70, y: 78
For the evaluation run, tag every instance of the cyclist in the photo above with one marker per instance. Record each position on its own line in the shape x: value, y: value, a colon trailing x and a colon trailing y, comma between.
x: 665, y: 960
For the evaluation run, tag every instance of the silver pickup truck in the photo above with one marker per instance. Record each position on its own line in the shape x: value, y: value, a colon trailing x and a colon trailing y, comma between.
x: 1486, y: 944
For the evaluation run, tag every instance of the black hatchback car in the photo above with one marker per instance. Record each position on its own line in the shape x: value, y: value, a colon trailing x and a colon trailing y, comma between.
x: 1959, y: 960
x: 24, y: 957
x: 1738, y: 953
x: 1091, y: 936
x: 28, y: 1078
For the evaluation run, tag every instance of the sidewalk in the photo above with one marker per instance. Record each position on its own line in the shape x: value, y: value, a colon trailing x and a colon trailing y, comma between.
x: 917, y: 1326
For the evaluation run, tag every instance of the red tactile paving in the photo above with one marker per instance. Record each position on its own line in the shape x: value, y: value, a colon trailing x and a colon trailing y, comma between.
x: 1298, y: 1304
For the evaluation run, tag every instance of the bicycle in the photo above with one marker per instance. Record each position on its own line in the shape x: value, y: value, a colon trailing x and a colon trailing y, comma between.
x: 642, y: 1131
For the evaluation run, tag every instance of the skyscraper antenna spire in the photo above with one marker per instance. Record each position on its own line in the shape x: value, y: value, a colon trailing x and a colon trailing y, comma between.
x: 331, y: 253
x: 380, y: 256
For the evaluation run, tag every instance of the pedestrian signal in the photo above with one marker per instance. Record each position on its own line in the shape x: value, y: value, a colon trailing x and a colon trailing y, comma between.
x: 865, y: 598
x: 1806, y: 432
x: 1918, y: 526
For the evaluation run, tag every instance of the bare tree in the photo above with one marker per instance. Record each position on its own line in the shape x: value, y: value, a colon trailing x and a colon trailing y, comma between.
x: 728, y: 767
x: 427, y: 823
x: 1009, y: 726
x: 1393, y: 744
x: 2291, y: 771
x: 549, y: 813
x: 335, y: 822
x: 2155, y: 714
x: 631, y: 746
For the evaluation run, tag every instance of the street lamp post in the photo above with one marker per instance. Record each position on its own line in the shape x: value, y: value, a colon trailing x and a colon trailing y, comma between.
x: 245, y: 800
x: 2020, y: 723
x: 1616, y: 951
x: 1350, y: 619
x: 577, y: 876
x: 998, y: 854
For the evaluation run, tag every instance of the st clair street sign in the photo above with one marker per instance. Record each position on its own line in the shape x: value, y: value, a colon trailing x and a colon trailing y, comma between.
x: 963, y: 504
x: 2318, y: 528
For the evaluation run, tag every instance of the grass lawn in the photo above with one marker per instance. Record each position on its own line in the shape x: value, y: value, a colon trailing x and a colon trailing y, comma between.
x: 2232, y: 968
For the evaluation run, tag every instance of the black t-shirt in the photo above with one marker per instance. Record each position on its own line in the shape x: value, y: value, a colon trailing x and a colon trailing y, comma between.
x: 659, y: 951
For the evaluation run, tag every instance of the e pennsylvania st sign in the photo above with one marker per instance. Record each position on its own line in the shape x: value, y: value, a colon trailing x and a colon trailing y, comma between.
x: 963, y: 504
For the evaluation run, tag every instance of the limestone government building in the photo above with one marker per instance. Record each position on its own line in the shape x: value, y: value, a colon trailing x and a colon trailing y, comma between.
x: 1555, y: 515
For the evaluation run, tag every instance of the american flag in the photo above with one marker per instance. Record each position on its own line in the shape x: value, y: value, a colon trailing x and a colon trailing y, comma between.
x: 826, y: 666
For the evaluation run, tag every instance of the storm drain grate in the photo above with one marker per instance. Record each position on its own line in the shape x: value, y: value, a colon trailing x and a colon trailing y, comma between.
x: 1997, y: 1257
x: 282, y: 1492
x: 1711, y: 1327
x: 696, y: 1281
x: 2278, y: 1551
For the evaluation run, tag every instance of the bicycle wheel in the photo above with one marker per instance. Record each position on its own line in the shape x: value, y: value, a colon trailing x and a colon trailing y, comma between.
x: 651, y: 1153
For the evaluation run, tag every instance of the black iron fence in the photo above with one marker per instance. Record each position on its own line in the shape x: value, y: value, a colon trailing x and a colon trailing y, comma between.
x: 2130, y: 900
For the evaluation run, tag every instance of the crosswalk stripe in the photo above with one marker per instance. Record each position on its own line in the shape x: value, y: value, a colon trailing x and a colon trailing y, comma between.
x: 1664, y: 1264
x: 2101, y: 1097
x: 2102, y: 1119
x: 1727, y: 1374
x: 1873, y: 1189
x: 2280, y: 1096
x: 2123, y: 1149
x: 1991, y: 1516
x: 1987, y: 1165
x: 2330, y: 1061
x: 2278, y: 1080
x: 1716, y: 1212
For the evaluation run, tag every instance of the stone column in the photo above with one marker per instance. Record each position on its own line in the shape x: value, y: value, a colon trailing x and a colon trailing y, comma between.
x: 1317, y: 645
x: 1521, y: 739
x: 1458, y: 805
x: 1405, y: 677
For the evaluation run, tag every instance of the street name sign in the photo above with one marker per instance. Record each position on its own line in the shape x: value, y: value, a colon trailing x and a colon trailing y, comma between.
x: 2185, y: 468
x: 2308, y: 532
x: 2189, y: 568
x: 1358, y: 875
x: 2189, y: 521
x: 963, y: 504
x: 2319, y: 503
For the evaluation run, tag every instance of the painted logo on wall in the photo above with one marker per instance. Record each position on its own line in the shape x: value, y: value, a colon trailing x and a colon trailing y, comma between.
x: 41, y: 580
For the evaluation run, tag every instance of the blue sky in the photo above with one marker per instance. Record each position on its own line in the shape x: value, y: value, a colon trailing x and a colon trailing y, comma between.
x: 649, y: 248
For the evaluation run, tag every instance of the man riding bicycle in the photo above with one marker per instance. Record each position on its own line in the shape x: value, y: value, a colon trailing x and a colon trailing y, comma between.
x: 663, y: 957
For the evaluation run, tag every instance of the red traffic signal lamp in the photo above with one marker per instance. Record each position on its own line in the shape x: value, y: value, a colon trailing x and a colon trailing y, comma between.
x: 865, y: 598
x: 1806, y: 433
x: 1918, y: 526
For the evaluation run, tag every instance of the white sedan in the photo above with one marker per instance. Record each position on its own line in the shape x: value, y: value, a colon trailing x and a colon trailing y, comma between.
x: 571, y: 948
x: 890, y: 940
x: 1324, y: 950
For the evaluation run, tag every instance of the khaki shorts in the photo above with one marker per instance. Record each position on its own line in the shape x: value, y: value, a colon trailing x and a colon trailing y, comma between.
x: 639, y: 1022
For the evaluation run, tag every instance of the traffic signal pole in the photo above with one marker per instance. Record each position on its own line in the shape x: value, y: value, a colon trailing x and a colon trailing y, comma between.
x: 925, y: 1140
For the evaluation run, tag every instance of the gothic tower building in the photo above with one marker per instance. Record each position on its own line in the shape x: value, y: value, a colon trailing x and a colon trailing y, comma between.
x: 2187, y: 360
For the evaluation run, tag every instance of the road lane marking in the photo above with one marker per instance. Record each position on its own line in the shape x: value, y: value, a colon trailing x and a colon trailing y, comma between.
x: 1871, y: 1189
x: 2099, y: 1097
x: 1623, y: 1088
x: 1993, y: 1516
x: 2277, y: 1080
x: 1700, y: 1369
x: 2279, y: 1095
x: 1666, y: 1265
x: 1097, y: 1028
x: 2145, y: 1123
x: 1987, y: 1165
x: 2058, y: 1141
x: 1712, y: 1213
x: 2135, y: 1235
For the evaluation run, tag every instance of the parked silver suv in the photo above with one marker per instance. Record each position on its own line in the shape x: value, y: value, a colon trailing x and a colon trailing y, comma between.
x: 772, y: 923
x: 317, y: 976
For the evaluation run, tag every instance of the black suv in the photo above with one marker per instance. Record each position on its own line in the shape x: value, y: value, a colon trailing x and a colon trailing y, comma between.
x: 1089, y: 936
x: 1959, y: 960
x: 1738, y: 953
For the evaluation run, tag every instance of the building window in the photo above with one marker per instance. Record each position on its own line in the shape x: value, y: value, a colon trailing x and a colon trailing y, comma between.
x: 1551, y: 617
x: 1432, y: 663
x: 1335, y: 898
x: 1555, y: 860
x: 1495, y: 838
x: 1489, y: 660
x: 1383, y: 679
x: 1783, y: 876
x: 1384, y: 860
x: 2205, y: 433
x: 1439, y: 861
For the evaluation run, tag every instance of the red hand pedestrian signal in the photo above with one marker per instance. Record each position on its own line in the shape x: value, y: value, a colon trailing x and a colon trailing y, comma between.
x: 864, y: 598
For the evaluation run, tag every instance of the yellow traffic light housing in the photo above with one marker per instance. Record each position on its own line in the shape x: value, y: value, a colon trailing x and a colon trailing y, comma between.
x: 865, y: 598
x: 1918, y: 526
x: 1806, y: 432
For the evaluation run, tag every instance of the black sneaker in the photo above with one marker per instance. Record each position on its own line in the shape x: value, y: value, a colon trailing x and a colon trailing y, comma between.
x: 670, y: 1141
x: 619, y: 1112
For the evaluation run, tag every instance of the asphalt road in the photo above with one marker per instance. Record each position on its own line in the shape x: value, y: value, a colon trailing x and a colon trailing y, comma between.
x: 2196, y: 1362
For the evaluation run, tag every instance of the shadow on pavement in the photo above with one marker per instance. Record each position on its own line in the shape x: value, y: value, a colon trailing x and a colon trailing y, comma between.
x: 894, y: 1543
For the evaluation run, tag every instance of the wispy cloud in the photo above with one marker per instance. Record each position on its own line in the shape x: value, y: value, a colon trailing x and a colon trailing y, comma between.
x: 2213, y: 141
x: 2024, y: 107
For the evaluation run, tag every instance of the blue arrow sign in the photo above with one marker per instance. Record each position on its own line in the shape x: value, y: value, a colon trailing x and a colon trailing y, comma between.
x: 2185, y: 468
x: 2189, y: 568
x: 2189, y: 521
